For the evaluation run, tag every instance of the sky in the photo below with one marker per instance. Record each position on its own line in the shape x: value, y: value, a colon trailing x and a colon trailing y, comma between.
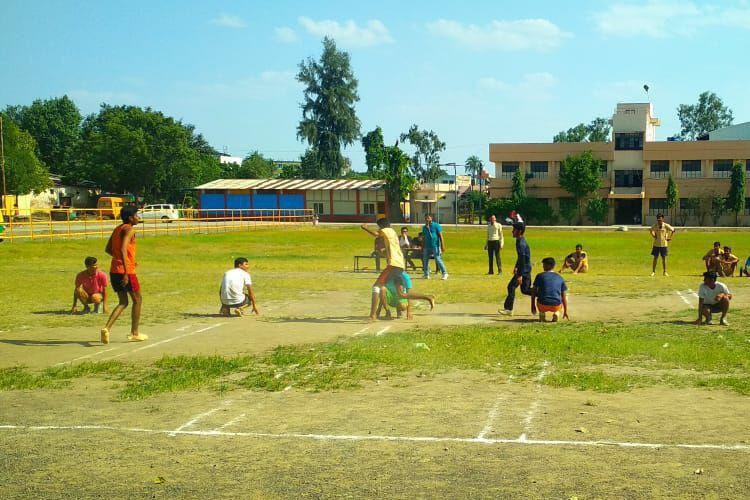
x: 474, y: 72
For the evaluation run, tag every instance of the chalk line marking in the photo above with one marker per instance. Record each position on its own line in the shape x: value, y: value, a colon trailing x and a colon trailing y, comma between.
x: 360, y: 332
x: 231, y: 422
x: 491, y: 416
x: 693, y: 293
x: 150, y: 346
x: 534, y: 408
x: 382, y: 331
x: 372, y: 437
x: 686, y: 301
x: 199, y: 417
x: 86, y: 356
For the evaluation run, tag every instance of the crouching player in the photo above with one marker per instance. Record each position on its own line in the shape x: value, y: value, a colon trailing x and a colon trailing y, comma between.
x: 236, y: 291
x: 549, y: 293
x: 397, y: 293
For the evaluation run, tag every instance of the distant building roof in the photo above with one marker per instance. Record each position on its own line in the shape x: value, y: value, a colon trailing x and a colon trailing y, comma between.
x: 738, y: 132
x: 334, y: 184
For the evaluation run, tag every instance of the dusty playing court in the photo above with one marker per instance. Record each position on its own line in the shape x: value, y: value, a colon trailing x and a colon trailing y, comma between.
x: 458, y: 433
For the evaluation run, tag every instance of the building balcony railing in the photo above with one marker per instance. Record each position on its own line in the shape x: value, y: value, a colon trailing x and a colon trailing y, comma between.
x: 658, y: 175
x: 691, y: 174
x: 722, y: 174
x: 507, y: 175
x: 539, y: 175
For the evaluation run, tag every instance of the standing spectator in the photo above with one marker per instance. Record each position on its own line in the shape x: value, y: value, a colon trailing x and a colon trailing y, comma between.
x: 713, y: 297
x: 236, y: 291
x: 495, y: 243
x: 90, y: 287
x: 434, y: 246
x: 121, y: 246
x: 522, y: 270
x: 662, y: 233
x: 407, y: 245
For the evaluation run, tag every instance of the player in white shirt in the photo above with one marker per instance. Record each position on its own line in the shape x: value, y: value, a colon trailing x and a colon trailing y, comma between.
x: 236, y: 290
x: 713, y: 297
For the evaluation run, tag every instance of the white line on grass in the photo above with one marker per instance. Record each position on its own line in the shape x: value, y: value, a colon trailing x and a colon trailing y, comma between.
x: 531, y: 413
x: 491, y: 418
x: 686, y: 301
x: 198, y: 417
x: 149, y: 346
x: 382, y: 331
x: 86, y: 356
x: 232, y: 422
x: 371, y: 437
x: 693, y: 293
x: 360, y: 332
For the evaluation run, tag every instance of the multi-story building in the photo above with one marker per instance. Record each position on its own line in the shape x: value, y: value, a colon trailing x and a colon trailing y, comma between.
x: 635, y: 169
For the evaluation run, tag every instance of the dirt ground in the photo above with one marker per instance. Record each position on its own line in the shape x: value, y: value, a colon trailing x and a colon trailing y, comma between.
x: 458, y: 434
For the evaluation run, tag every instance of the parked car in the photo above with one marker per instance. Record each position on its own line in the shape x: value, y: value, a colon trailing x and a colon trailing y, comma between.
x: 164, y: 212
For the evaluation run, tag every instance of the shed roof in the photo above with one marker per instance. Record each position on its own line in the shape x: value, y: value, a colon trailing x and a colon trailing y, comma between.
x: 333, y: 184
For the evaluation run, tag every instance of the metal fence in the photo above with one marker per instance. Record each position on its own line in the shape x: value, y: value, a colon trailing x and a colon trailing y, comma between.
x: 45, y: 223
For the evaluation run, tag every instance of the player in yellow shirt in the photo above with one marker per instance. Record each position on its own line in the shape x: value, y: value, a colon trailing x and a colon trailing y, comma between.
x: 662, y: 233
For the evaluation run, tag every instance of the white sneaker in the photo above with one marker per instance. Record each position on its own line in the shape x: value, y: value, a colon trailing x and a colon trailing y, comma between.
x: 445, y: 276
x: 723, y: 322
x: 653, y: 274
x: 666, y: 274
x: 505, y: 312
x: 426, y: 277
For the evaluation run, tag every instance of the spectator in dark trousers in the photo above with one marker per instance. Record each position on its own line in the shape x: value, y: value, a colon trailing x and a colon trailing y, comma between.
x: 494, y: 243
x: 522, y: 270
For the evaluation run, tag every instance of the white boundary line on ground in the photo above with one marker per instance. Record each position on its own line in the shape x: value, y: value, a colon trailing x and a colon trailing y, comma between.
x: 686, y: 301
x: 360, y: 332
x: 198, y: 417
x: 149, y: 346
x: 534, y: 408
x: 374, y: 437
x: 491, y: 416
x: 231, y: 422
x: 382, y: 331
x: 693, y: 293
x: 85, y: 357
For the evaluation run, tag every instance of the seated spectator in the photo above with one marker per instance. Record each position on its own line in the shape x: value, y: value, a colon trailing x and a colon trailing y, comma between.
x: 712, y: 256
x: 727, y: 262
x: 90, y: 288
x: 713, y: 297
x: 746, y: 268
x: 407, y: 247
x: 549, y: 293
x: 236, y: 291
x: 577, y: 261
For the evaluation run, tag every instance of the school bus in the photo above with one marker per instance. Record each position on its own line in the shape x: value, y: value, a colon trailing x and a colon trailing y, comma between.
x: 110, y: 206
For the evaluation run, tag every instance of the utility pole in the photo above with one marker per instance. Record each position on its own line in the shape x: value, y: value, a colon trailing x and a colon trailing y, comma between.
x: 455, y: 186
x: 2, y: 160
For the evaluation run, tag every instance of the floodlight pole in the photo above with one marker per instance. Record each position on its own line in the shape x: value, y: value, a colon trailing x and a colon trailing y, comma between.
x: 455, y: 186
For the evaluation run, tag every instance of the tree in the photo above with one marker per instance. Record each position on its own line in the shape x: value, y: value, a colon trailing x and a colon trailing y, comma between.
x: 328, y: 120
x: 473, y: 167
x: 391, y: 164
x: 596, y: 131
x: 736, y: 196
x: 141, y: 151
x: 475, y: 201
x: 672, y: 196
x: 290, y: 171
x: 518, y: 188
x: 374, y: 147
x: 580, y: 176
x: 568, y: 209
x: 708, y: 114
x: 55, y: 125
x: 255, y: 166
x: 24, y: 172
x: 597, y: 209
x: 425, y: 162
x: 718, y: 207
x: 692, y: 205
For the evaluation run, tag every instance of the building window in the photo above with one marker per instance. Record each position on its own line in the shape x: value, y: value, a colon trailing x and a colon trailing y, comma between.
x: 747, y: 206
x: 628, y: 178
x: 508, y: 168
x: 629, y: 141
x: 747, y: 165
x: 659, y: 169
x: 691, y: 168
x: 539, y: 169
x: 318, y: 208
x: 603, y: 166
x: 722, y: 168
x: 688, y: 206
x: 368, y: 208
x: 657, y: 206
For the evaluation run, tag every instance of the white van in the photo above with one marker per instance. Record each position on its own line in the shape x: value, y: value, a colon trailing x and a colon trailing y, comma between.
x: 164, y: 212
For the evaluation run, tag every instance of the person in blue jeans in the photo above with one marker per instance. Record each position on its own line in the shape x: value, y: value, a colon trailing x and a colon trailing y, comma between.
x: 434, y: 246
x: 522, y: 270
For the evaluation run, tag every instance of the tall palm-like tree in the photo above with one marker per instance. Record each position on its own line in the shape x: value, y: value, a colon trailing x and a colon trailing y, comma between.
x: 473, y: 167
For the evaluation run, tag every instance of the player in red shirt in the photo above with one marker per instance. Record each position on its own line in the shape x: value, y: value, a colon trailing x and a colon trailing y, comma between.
x: 90, y: 287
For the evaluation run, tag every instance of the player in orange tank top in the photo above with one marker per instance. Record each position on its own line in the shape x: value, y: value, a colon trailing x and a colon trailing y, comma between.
x: 121, y: 246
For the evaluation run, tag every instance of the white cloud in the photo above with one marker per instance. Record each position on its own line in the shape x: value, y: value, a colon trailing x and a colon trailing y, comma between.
x: 522, y: 34
x: 285, y: 34
x: 531, y: 86
x: 666, y: 18
x: 349, y: 33
x: 227, y: 21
